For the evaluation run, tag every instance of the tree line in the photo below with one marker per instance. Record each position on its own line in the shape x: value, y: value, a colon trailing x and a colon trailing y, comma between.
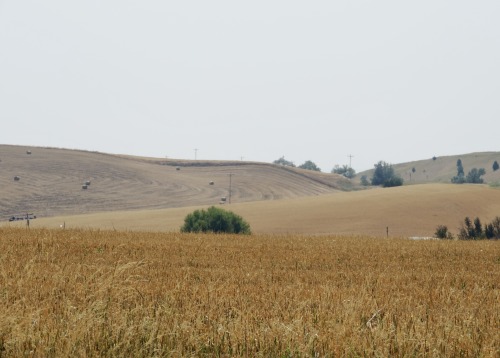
x: 383, y: 175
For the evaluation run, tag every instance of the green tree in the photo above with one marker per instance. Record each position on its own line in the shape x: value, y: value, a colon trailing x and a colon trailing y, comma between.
x: 309, y: 165
x: 344, y: 170
x: 474, y: 176
x: 364, y: 180
x: 384, y: 175
x: 442, y: 232
x: 495, y: 166
x: 478, y: 227
x: 492, y: 230
x: 283, y: 161
x: 473, y: 230
x: 460, y: 177
x: 215, y: 220
x: 460, y: 168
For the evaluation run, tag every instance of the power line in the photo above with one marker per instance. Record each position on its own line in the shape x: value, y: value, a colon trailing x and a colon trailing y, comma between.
x: 350, y: 160
x: 230, y: 185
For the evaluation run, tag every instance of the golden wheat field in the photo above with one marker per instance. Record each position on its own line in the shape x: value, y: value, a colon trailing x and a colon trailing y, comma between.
x: 87, y: 293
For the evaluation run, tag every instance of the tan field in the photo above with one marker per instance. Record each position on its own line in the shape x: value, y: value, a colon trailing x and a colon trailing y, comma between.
x: 414, y: 210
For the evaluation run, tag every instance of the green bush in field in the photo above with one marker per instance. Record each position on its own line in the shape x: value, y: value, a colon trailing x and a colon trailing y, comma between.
x: 442, y: 232
x: 215, y: 220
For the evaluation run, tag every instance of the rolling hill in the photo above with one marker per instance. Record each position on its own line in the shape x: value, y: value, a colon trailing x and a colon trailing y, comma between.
x: 50, y: 182
x: 154, y: 194
x: 442, y: 169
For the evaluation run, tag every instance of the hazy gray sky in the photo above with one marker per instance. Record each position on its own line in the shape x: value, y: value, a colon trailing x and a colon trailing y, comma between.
x: 310, y: 80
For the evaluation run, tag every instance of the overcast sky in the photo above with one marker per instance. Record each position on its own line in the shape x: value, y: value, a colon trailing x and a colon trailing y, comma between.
x: 311, y: 80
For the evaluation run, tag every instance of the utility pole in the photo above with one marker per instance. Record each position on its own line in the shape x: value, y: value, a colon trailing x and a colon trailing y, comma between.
x: 350, y: 159
x: 195, y: 153
x: 230, y: 186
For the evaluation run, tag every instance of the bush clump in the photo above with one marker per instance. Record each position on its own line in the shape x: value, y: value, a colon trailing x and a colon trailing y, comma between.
x: 384, y: 175
x: 215, y: 220
x: 472, y: 230
x: 442, y: 232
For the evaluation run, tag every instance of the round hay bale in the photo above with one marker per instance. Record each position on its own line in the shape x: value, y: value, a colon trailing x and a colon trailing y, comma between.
x: 16, y: 178
x: 84, y: 187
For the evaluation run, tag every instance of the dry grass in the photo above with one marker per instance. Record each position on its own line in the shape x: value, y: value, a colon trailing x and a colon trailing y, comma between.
x: 105, y: 293
x: 414, y: 210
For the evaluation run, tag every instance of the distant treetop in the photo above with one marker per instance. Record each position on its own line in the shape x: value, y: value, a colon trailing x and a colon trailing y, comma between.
x: 283, y: 161
x: 344, y: 170
x: 309, y: 165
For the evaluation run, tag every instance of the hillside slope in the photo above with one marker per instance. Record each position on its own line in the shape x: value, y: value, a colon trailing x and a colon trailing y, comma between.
x: 442, y: 169
x: 413, y: 210
x: 50, y: 182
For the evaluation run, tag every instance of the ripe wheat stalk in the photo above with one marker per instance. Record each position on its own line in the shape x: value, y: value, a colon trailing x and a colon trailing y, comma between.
x: 106, y: 293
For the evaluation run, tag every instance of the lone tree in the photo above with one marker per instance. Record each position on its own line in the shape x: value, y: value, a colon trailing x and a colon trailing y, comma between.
x: 344, y: 170
x: 309, y: 165
x: 215, y: 220
x: 384, y: 175
x: 495, y: 166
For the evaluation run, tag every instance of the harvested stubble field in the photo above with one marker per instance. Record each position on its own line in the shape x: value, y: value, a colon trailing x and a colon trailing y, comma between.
x: 106, y: 293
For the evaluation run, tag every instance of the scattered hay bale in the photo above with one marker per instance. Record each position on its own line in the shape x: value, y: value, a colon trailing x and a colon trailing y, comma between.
x: 211, y: 183
x: 28, y: 152
x: 16, y: 178
x: 178, y: 168
x: 85, y: 187
x: 87, y: 183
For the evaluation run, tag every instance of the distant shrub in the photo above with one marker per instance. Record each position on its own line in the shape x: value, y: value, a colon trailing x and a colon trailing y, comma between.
x: 495, y: 184
x: 458, y: 179
x: 442, y: 232
x: 344, y: 170
x: 283, y: 161
x: 364, y: 180
x: 492, y: 230
x: 384, y: 175
x: 474, y: 176
x: 215, y: 220
x: 393, y: 181
x: 495, y: 166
